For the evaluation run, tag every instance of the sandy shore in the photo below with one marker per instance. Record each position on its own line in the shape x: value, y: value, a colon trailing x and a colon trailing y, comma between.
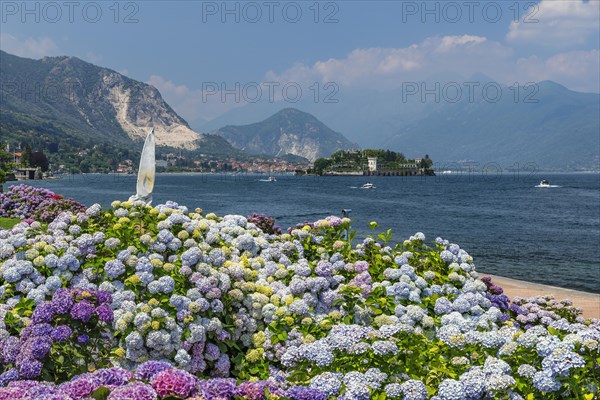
x: 589, y: 302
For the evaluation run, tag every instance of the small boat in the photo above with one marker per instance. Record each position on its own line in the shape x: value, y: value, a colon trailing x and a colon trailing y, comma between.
x: 368, y: 185
x: 270, y: 179
x: 544, y: 183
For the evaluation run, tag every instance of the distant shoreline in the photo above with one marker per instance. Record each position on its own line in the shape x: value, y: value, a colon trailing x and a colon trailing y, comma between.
x: 538, y: 174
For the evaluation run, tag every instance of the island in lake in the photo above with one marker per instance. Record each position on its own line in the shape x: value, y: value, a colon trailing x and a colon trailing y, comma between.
x: 372, y: 162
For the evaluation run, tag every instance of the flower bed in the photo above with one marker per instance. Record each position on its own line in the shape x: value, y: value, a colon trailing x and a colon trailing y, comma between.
x: 22, y: 201
x: 140, y: 302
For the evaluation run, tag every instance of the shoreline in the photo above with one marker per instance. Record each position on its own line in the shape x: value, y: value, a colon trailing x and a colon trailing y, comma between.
x: 588, y: 302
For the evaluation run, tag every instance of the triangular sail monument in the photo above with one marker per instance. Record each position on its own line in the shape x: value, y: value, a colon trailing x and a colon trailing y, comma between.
x: 147, y: 171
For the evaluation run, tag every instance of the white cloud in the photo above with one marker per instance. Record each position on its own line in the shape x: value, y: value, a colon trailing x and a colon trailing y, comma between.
x: 451, y: 42
x: 578, y: 70
x: 557, y: 23
x: 29, y: 47
x: 447, y: 59
x: 440, y: 57
x: 444, y: 59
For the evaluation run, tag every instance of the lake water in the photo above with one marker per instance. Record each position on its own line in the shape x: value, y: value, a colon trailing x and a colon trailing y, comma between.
x: 510, y: 227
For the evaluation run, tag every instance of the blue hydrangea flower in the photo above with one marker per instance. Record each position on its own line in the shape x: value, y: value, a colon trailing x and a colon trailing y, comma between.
x: 114, y: 269
x: 413, y: 390
x: 327, y: 383
x: 561, y: 361
x: 451, y: 389
x: 545, y: 382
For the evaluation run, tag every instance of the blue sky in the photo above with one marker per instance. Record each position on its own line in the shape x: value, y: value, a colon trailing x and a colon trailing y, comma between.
x: 182, y: 47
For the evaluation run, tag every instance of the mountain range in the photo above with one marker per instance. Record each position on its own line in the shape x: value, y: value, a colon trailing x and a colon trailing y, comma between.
x: 84, y: 112
x: 89, y: 118
x: 75, y: 109
x: 544, y: 124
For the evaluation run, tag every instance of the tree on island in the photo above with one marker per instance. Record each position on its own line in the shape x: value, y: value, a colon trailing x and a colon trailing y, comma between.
x: 426, y: 162
x: 320, y: 165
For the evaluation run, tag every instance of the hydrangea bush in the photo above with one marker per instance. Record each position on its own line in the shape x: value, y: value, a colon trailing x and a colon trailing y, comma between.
x: 140, y: 302
x: 23, y: 201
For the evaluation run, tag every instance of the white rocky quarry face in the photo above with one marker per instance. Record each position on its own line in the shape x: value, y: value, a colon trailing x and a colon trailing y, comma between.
x: 148, y: 110
x: 292, y: 143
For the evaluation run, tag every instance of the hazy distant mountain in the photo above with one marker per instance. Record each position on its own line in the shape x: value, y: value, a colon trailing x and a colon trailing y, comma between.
x: 289, y: 131
x: 559, y: 131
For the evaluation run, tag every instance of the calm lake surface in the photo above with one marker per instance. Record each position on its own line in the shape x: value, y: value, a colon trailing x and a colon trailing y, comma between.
x: 511, y: 228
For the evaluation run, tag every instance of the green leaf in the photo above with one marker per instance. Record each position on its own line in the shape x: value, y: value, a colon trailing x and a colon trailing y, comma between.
x: 101, y: 393
x: 553, y: 331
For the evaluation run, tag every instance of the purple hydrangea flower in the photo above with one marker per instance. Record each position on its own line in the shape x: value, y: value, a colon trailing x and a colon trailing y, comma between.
x: 83, y: 338
x: 217, y: 388
x: 40, y: 346
x: 43, y: 313
x: 174, y: 382
x: 103, y: 297
x: 40, y: 329
x: 256, y: 390
x: 42, y: 391
x: 133, y: 391
x: 113, y: 376
x: 105, y: 313
x: 62, y: 301
x: 361, y: 266
x: 8, y: 376
x: 30, y: 369
x: 61, y: 333
x: 82, y: 311
x: 305, y: 393
x: 9, y: 349
x: 79, y: 388
x: 147, y: 370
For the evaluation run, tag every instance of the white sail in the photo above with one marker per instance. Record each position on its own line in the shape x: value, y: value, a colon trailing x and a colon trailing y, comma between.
x: 147, y: 170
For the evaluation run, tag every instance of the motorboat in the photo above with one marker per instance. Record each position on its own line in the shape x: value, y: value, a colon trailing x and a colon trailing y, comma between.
x: 269, y: 179
x: 368, y: 185
x: 544, y: 183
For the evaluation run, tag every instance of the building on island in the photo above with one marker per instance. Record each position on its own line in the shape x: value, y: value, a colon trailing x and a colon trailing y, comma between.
x: 372, y: 164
